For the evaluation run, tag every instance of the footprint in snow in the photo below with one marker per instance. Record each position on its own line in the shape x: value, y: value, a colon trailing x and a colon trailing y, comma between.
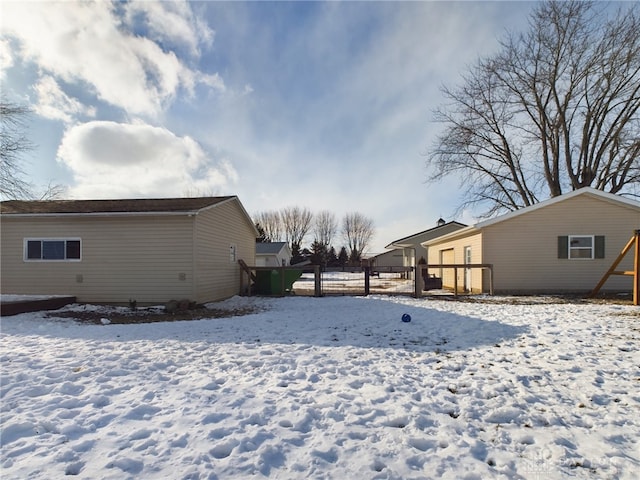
x: 399, y: 422
x: 74, y: 468
x: 128, y: 465
x: 422, y: 444
x: 142, y: 412
x: 223, y: 450
x: 330, y: 456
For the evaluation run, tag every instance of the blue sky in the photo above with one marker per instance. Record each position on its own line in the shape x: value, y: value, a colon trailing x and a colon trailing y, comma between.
x: 321, y: 105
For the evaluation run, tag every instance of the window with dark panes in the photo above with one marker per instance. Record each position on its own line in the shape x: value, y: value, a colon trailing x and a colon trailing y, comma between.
x: 53, y: 249
x: 73, y: 249
x: 34, y: 250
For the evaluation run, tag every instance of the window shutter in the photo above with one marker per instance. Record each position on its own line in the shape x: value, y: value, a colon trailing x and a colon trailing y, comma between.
x: 599, y: 246
x: 563, y: 247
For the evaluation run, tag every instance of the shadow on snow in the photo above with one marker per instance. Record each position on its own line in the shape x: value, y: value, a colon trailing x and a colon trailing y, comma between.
x: 361, y: 322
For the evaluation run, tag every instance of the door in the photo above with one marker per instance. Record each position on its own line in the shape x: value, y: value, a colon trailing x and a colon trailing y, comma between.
x: 467, y: 271
x: 447, y: 274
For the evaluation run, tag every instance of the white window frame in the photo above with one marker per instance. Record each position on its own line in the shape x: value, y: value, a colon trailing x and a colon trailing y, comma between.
x: 233, y: 253
x: 592, y: 248
x: 25, y: 249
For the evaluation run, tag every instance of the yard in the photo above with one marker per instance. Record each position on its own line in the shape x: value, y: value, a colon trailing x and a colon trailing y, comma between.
x: 335, y: 387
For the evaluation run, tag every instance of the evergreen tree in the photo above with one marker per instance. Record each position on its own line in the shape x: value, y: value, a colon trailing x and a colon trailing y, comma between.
x: 332, y: 258
x: 319, y: 254
x: 354, y: 258
x: 343, y: 257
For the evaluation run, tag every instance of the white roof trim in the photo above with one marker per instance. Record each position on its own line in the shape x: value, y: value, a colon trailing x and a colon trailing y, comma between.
x: 609, y: 197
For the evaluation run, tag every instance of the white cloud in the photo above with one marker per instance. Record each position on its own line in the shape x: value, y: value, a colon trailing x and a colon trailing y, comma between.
x: 170, y: 22
x: 6, y: 59
x: 114, y: 160
x: 55, y: 104
x: 86, y: 43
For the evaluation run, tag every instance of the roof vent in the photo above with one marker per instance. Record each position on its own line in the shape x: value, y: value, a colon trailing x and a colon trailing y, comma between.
x: 441, y: 222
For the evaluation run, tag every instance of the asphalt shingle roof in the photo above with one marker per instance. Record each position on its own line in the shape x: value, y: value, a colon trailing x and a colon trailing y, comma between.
x: 270, y: 248
x: 147, y: 205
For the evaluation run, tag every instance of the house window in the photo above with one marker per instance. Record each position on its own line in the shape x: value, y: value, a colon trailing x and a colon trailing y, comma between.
x: 67, y: 249
x: 232, y: 253
x: 581, y: 247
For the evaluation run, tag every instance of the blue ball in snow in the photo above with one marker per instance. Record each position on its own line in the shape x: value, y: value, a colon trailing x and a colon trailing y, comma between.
x: 406, y: 318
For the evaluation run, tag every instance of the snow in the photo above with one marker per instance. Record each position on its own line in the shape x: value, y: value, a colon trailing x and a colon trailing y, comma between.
x: 327, y: 388
x: 6, y: 298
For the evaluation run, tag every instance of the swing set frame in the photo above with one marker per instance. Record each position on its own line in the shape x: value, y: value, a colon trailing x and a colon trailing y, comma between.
x: 634, y: 243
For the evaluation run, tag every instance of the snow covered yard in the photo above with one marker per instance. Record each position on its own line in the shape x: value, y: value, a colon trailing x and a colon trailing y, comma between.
x: 327, y: 388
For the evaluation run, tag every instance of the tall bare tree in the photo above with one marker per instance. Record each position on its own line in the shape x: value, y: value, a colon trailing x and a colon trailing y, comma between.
x: 555, y: 110
x: 271, y: 223
x: 358, y: 231
x: 325, y: 227
x: 296, y: 222
x: 13, y: 144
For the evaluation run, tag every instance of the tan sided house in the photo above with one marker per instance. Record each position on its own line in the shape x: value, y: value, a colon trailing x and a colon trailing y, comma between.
x: 114, y: 251
x: 561, y: 245
x: 414, y: 248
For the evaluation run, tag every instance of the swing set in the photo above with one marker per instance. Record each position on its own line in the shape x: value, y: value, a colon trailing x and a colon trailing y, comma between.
x: 635, y: 273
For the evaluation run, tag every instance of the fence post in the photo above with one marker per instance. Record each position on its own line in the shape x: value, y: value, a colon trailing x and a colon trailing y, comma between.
x: 418, y: 281
x: 282, y: 292
x: 455, y: 282
x: 636, y: 268
x: 366, y: 280
x: 317, y: 287
x: 491, y: 279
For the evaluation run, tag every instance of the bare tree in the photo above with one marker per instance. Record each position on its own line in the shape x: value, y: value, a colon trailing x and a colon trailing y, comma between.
x: 53, y: 191
x: 271, y: 223
x: 556, y: 109
x: 358, y: 231
x: 296, y: 222
x: 13, y: 144
x: 325, y: 227
x: 194, y: 192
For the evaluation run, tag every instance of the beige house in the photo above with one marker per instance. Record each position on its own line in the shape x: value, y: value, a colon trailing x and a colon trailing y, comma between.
x: 273, y: 254
x: 114, y: 251
x: 564, y: 244
x: 413, y: 247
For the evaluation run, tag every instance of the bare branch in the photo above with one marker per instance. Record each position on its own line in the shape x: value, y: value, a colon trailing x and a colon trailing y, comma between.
x: 557, y: 108
x: 325, y: 227
x: 13, y: 144
x: 358, y: 231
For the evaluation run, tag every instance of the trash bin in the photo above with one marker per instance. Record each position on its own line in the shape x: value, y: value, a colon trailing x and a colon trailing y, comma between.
x: 269, y: 282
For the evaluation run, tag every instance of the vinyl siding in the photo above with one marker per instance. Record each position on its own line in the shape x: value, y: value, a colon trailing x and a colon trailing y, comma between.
x: 453, y: 252
x: 145, y: 258
x: 393, y: 258
x: 216, y: 229
x: 525, y: 254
